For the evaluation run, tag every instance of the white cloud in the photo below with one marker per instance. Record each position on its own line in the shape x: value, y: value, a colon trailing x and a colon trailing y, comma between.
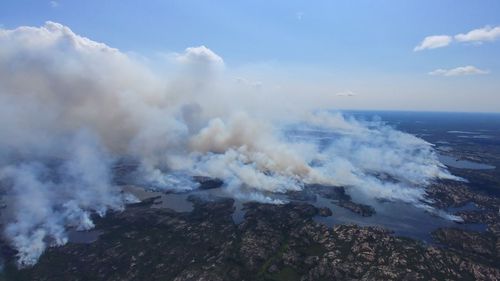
x: 478, y: 36
x: 347, y: 93
x: 486, y: 33
x: 433, y: 42
x: 200, y: 56
x: 54, y: 4
x: 459, y: 71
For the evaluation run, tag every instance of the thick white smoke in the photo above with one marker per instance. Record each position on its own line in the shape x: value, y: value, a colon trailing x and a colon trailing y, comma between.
x: 45, y: 197
x: 71, y: 107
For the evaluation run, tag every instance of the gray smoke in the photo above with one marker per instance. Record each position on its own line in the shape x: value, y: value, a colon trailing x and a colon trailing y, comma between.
x: 70, y: 108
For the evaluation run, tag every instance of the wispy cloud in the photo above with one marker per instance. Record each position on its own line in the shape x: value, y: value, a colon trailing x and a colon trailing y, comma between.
x: 433, y: 42
x: 486, y: 33
x: 299, y: 15
x: 246, y: 82
x: 459, y: 71
x: 54, y: 4
x: 347, y: 93
x: 478, y: 35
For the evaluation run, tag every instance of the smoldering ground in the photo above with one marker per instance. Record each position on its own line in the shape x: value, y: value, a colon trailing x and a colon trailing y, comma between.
x: 70, y: 108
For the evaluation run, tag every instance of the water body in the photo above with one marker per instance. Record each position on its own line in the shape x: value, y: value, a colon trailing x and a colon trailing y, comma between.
x: 401, y: 218
x: 462, y: 132
x: 463, y: 164
x: 83, y: 237
x: 471, y: 206
x: 445, y: 148
x: 179, y: 202
x: 174, y: 201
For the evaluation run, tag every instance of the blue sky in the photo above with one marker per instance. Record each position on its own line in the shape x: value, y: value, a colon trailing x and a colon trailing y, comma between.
x: 366, y: 47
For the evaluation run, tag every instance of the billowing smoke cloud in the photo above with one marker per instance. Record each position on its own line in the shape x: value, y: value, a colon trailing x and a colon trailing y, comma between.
x: 45, y: 197
x: 371, y: 158
x: 72, y: 108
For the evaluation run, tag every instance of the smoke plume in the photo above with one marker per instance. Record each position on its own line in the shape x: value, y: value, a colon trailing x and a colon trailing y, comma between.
x: 72, y: 108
